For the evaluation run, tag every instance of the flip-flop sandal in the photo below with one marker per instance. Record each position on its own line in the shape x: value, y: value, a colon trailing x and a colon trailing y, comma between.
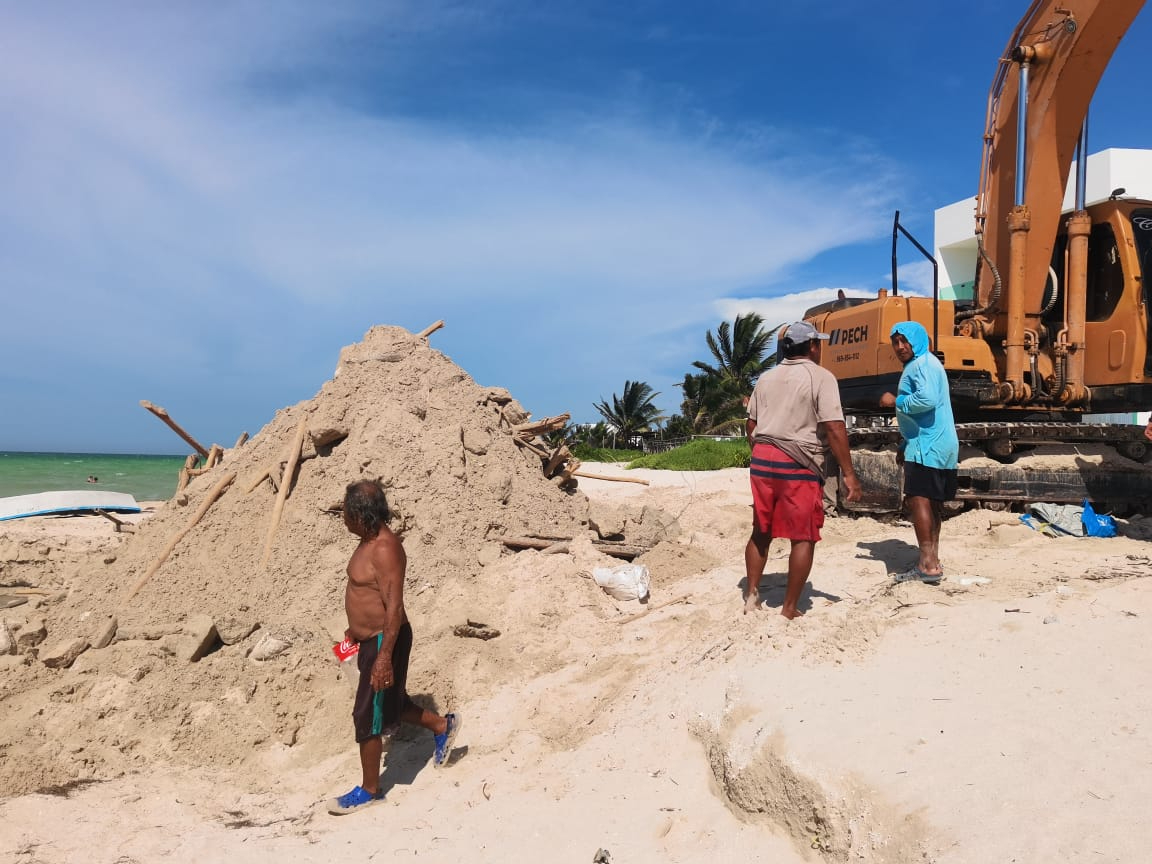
x: 915, y: 574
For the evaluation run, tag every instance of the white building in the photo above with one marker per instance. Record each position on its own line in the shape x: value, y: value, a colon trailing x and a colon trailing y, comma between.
x: 955, y: 227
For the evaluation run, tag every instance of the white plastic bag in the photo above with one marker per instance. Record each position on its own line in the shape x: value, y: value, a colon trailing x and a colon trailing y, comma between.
x: 625, y: 582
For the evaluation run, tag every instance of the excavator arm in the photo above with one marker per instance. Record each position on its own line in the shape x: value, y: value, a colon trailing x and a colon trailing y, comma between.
x: 1036, y: 111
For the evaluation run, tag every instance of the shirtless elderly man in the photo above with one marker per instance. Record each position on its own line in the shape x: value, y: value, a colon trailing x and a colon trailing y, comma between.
x: 374, y: 602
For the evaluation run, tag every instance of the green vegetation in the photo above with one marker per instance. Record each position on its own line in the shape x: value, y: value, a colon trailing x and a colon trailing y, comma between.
x: 714, y: 403
x: 703, y: 454
x: 633, y: 412
x: 714, y: 397
x: 587, y: 453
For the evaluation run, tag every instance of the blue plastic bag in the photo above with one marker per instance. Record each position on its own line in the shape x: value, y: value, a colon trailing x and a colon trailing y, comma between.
x: 1097, y: 524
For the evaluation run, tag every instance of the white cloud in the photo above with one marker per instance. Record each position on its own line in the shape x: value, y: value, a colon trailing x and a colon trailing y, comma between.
x: 159, y: 190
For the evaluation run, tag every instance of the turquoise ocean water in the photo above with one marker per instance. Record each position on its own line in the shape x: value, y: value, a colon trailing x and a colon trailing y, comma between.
x: 148, y: 478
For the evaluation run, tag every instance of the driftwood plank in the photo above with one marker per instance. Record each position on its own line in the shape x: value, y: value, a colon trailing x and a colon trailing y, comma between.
x: 539, y: 427
x: 163, y: 415
x: 293, y: 456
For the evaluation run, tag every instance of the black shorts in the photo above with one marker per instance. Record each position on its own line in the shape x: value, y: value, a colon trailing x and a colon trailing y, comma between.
x: 377, y: 712
x: 937, y: 484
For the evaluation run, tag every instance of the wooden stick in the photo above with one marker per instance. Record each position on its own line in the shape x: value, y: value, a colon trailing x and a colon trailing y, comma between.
x: 186, y: 472
x: 606, y: 477
x: 120, y: 524
x: 566, y: 472
x: 208, y: 501
x: 558, y: 455
x: 260, y: 479
x: 683, y: 598
x: 555, y: 548
x: 530, y: 446
x: 616, y: 550
x: 214, y: 456
x: 240, y: 441
x: 536, y: 427
x: 430, y: 329
x: 292, y: 456
x: 163, y: 415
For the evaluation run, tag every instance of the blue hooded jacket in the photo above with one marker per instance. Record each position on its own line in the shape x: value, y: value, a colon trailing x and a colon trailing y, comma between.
x: 923, y: 406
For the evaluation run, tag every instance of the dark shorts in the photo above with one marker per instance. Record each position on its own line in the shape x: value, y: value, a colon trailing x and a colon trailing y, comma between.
x: 787, y: 498
x: 920, y: 481
x: 377, y: 712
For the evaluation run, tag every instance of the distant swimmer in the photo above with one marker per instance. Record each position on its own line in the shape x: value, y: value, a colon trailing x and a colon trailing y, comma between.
x: 92, y: 478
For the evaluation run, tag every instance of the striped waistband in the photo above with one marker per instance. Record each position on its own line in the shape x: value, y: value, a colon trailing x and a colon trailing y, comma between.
x: 780, y: 467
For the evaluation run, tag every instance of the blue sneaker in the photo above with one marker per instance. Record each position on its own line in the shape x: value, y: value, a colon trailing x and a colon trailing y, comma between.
x: 354, y: 801
x: 444, y: 742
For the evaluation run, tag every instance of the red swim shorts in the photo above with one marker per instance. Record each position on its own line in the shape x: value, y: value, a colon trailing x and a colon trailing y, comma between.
x: 787, y: 498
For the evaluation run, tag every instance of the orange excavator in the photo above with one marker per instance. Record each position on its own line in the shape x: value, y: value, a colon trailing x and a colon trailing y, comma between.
x: 1059, y: 324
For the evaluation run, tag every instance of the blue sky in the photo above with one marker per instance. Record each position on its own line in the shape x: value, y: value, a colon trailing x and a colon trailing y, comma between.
x: 203, y: 202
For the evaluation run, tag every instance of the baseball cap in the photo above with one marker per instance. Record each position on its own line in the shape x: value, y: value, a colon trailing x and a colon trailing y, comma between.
x: 802, y: 331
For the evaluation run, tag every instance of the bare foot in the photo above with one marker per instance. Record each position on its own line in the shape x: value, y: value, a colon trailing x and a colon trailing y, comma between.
x: 752, y: 603
x: 790, y: 613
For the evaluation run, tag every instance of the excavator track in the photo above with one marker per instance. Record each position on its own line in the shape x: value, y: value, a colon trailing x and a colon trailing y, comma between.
x: 1008, y: 465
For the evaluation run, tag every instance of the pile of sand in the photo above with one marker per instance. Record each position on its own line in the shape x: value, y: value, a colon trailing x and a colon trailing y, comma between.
x: 395, y: 410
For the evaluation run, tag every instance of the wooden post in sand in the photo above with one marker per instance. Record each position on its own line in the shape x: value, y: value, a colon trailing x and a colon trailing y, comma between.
x: 429, y: 330
x: 292, y: 457
x: 163, y: 415
x: 186, y: 472
x: 208, y: 501
x: 240, y: 441
x: 214, y: 456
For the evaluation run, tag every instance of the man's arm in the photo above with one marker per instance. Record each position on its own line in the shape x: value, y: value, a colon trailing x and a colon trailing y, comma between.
x: 836, y: 434
x: 750, y: 428
x: 389, y: 562
x: 927, y: 392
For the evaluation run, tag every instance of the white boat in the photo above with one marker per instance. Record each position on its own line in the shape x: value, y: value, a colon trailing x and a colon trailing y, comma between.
x: 80, y: 501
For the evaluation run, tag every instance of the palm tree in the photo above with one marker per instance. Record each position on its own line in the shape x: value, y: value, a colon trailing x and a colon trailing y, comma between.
x: 715, y: 398
x: 631, y: 413
x: 739, y: 351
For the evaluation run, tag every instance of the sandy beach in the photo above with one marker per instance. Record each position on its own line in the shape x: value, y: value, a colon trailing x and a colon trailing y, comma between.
x: 995, y: 717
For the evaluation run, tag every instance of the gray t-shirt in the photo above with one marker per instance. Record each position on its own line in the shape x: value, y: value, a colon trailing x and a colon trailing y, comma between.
x: 788, y: 403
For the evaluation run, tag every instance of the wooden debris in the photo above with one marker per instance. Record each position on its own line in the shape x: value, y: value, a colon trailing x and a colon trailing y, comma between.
x: 208, y: 501
x: 163, y: 415
x: 186, y: 471
x: 564, y: 478
x: 292, y: 457
x: 430, y: 329
x: 475, y: 630
x: 608, y: 547
x: 215, y: 454
x: 540, y: 427
x: 606, y: 477
x: 558, y: 455
x: 531, y: 446
x: 240, y: 441
x: 260, y: 478
x: 120, y: 524
x: 683, y: 598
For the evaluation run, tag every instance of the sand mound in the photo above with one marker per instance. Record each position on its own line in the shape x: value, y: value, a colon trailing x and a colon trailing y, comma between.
x: 266, y: 681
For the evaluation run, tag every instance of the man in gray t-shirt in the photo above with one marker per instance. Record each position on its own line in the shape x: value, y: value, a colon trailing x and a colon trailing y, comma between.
x: 794, y: 415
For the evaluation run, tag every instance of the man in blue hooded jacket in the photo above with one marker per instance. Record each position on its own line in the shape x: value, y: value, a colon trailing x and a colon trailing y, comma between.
x: 924, y: 412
